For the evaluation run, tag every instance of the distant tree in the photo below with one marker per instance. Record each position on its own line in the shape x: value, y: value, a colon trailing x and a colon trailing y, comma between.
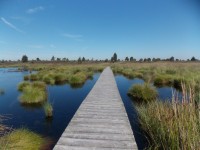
x: 79, y: 60
x: 177, y: 60
x: 158, y: 59
x: 64, y: 59
x: 112, y: 59
x: 115, y: 57
x: 171, y: 58
x: 24, y: 58
x: 131, y: 58
x: 58, y: 59
x: 126, y: 59
x: 149, y: 59
x: 37, y: 59
x: 106, y: 60
x: 145, y: 59
x: 53, y: 58
x: 83, y: 59
x: 141, y: 60
x: 193, y: 59
x: 153, y: 59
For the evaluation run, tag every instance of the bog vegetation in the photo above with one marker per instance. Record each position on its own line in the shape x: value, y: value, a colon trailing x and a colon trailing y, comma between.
x: 21, y: 139
x: 169, y: 125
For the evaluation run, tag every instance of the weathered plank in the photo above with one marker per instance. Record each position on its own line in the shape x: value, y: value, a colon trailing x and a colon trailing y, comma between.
x: 101, y: 122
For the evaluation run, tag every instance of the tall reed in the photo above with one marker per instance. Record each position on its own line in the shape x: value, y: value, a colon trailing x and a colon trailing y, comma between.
x: 174, y: 125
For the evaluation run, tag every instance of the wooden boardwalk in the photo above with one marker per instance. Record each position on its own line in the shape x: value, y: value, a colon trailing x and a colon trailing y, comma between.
x: 101, y: 122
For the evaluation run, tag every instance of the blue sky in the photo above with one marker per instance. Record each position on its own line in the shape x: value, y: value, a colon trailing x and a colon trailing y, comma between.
x: 98, y: 28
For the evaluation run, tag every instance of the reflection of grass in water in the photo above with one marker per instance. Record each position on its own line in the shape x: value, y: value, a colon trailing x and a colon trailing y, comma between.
x: 2, y: 92
x: 173, y: 125
x: 76, y: 86
x: 21, y: 139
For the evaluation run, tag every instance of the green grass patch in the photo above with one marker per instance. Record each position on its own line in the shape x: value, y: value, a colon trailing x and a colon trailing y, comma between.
x: 34, y: 77
x: 78, y: 78
x: 21, y: 139
x: 22, y: 85
x: 143, y: 92
x: 48, y: 109
x: 26, y: 77
x: 170, y: 126
x: 33, y: 93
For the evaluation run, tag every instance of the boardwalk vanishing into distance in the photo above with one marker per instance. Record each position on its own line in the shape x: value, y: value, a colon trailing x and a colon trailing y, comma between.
x: 101, y: 122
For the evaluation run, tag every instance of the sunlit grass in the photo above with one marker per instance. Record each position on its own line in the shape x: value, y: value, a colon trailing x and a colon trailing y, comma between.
x: 143, y: 92
x: 23, y: 85
x: 174, y: 125
x: 32, y: 93
x: 21, y: 139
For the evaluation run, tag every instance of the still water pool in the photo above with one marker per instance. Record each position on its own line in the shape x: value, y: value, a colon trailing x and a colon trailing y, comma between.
x: 65, y: 100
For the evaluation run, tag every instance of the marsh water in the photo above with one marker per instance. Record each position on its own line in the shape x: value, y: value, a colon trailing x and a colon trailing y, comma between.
x: 65, y: 100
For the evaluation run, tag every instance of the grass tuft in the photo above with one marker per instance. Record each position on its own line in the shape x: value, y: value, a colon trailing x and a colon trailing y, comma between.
x: 48, y: 109
x: 78, y: 78
x: 22, y: 139
x: 23, y: 85
x: 143, y: 92
x: 32, y: 93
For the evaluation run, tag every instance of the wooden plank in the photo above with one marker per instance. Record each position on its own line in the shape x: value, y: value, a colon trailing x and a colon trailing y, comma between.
x: 101, y: 122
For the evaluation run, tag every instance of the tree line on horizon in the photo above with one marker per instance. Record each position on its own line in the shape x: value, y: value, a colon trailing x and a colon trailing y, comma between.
x: 113, y: 59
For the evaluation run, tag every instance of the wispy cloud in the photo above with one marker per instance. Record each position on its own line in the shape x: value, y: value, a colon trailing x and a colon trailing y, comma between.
x: 36, y: 46
x: 35, y: 10
x: 11, y: 25
x: 77, y: 37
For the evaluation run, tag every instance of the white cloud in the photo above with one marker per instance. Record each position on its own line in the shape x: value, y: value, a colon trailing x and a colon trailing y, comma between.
x: 11, y: 25
x: 35, y: 10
